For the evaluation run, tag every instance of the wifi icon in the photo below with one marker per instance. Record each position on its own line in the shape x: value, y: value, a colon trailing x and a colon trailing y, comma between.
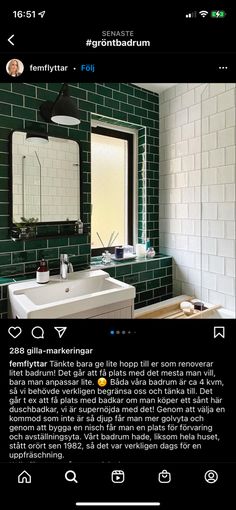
x: 203, y: 13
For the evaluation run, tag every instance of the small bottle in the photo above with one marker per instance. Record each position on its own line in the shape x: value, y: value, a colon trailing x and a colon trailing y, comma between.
x: 79, y: 226
x: 148, y: 243
x: 42, y: 274
x: 76, y: 227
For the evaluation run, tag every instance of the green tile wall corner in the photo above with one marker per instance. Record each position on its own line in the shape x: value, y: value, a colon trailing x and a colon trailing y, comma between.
x: 151, y: 278
x: 19, y: 104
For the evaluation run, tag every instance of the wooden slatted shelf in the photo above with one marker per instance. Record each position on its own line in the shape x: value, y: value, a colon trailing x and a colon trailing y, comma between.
x: 173, y: 311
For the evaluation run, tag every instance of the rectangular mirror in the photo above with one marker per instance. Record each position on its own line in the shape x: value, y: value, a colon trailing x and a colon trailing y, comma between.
x: 46, y: 183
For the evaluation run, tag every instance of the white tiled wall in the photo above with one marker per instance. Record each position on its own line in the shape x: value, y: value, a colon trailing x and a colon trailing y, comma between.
x: 197, y: 189
x: 60, y: 183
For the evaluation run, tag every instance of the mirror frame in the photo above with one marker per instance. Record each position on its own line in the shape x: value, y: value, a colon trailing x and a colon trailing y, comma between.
x: 42, y: 223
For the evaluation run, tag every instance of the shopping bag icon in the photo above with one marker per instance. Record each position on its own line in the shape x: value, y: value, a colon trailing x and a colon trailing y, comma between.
x: 164, y: 476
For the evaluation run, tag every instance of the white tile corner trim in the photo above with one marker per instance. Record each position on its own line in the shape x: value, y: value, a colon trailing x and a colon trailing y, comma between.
x: 197, y: 188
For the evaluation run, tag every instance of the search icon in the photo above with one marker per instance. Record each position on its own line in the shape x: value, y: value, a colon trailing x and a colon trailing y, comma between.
x: 70, y: 476
x: 37, y: 332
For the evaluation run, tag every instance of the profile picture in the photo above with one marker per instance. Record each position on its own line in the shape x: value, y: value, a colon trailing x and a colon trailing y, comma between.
x: 15, y: 67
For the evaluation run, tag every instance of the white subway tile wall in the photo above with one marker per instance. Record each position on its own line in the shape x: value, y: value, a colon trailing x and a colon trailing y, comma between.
x: 197, y: 189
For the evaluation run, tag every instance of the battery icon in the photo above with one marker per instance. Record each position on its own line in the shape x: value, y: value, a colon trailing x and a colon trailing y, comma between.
x: 218, y: 14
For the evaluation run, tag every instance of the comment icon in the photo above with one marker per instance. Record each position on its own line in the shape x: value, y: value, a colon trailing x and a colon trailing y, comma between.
x: 37, y: 332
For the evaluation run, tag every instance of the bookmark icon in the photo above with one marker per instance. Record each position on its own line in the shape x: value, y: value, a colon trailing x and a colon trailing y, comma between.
x: 60, y: 330
x: 219, y: 331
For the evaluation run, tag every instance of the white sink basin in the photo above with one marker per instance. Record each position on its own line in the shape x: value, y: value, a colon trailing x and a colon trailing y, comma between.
x: 81, y: 292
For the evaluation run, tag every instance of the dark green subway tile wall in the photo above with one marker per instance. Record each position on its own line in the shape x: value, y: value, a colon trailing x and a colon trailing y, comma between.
x: 151, y: 278
x: 19, y: 109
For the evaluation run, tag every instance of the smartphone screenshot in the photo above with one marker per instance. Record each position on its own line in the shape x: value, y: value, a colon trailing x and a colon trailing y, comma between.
x: 117, y: 203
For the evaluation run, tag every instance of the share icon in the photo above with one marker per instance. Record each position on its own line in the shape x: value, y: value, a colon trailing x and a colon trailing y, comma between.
x: 60, y: 330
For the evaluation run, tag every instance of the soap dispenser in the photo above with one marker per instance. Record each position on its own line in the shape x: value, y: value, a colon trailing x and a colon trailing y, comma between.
x: 42, y: 274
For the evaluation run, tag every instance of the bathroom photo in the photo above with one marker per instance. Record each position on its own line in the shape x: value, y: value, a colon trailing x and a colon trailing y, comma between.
x: 117, y: 200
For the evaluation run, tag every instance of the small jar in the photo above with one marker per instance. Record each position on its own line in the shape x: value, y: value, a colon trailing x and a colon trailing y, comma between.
x: 106, y: 257
x: 119, y: 252
x: 140, y: 250
x: 150, y: 252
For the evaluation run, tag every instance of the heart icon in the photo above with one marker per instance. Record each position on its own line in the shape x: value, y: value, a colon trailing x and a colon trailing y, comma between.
x: 14, y: 331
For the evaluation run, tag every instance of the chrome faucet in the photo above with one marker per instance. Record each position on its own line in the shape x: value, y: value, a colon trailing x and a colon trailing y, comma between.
x: 65, y: 266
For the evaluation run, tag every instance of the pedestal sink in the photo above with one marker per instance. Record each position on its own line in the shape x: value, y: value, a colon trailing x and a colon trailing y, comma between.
x: 85, y: 294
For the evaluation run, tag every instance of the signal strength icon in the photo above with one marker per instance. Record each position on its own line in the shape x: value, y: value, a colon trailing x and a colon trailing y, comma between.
x: 191, y: 14
x: 203, y: 14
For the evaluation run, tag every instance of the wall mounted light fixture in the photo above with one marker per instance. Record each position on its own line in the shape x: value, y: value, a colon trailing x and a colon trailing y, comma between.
x: 62, y: 111
x: 39, y: 138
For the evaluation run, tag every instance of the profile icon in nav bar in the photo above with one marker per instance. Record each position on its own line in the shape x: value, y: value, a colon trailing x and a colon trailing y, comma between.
x: 211, y: 476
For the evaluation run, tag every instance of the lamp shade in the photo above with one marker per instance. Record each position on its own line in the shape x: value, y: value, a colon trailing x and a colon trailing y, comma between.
x: 63, y: 111
x: 36, y: 138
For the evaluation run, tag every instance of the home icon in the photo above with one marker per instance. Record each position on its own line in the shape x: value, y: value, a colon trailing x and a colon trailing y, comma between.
x: 24, y: 477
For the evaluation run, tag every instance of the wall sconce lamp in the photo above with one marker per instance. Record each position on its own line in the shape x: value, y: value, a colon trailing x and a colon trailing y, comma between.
x: 38, y: 138
x: 62, y: 111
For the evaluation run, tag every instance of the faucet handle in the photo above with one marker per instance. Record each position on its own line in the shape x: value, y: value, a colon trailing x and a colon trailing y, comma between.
x: 70, y: 268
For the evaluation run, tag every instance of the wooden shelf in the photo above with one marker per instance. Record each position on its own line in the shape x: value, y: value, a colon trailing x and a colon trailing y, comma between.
x: 173, y: 311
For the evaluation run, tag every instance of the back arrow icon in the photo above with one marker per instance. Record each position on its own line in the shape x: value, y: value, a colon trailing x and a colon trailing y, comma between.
x: 10, y: 39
